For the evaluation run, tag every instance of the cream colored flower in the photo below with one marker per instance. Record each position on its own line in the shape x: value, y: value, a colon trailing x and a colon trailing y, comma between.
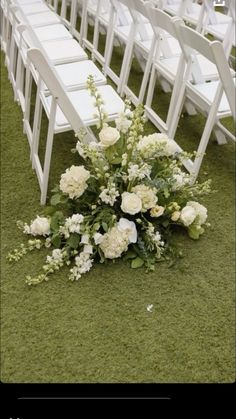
x: 114, y: 243
x: 147, y: 195
x: 108, y: 136
x: 73, y: 181
x: 157, y: 211
x: 175, y: 216
x: 40, y: 227
x: 187, y: 215
x: 131, y: 203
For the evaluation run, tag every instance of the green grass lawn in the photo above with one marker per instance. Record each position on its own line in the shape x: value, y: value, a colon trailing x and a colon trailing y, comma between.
x: 99, y: 329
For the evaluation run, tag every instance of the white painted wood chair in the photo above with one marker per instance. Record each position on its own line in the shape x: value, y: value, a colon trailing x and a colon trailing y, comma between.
x: 215, y: 99
x: 65, y: 111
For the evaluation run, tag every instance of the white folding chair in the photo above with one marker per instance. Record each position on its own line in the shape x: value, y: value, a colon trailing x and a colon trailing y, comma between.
x: 216, y: 98
x: 75, y: 110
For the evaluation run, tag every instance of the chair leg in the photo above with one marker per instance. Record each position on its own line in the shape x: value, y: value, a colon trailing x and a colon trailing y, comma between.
x: 48, y: 153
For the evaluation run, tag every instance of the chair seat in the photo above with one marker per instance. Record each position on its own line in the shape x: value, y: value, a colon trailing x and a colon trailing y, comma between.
x: 208, y: 90
x: 63, y: 51
x: 209, y: 70
x: 219, y: 31
x: 84, y: 103
x: 30, y: 9
x: 76, y: 74
x: 51, y: 32
x: 43, y: 19
x: 22, y: 2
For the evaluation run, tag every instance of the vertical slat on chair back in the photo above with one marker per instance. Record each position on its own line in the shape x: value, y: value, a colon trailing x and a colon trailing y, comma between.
x: 52, y: 82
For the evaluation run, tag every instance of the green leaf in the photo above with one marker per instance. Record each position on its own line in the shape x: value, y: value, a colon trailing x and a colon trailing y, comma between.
x: 165, y: 223
x: 56, y: 240
x: 137, y: 263
x: 55, y: 199
x: 130, y: 255
x: 55, y: 221
x: 104, y: 226
x: 74, y: 240
x: 117, y: 160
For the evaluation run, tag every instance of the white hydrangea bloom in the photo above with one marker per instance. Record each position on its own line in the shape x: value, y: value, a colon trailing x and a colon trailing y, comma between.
x: 156, y: 143
x: 147, y: 195
x: 114, y: 243
x: 73, y: 181
x: 180, y: 179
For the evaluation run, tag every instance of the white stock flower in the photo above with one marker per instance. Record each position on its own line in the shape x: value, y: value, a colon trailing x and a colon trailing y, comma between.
x: 128, y: 227
x: 114, y: 243
x: 157, y: 211
x: 38, y: 227
x: 98, y: 238
x: 131, y: 203
x: 108, y: 136
x: 83, y: 264
x: 88, y: 248
x: 73, y: 181
x: 201, y: 211
x: 72, y: 225
x: 123, y: 123
x: 136, y: 172
x: 84, y: 239
x: 187, y: 215
x: 109, y: 194
x: 180, y: 179
x: 147, y: 196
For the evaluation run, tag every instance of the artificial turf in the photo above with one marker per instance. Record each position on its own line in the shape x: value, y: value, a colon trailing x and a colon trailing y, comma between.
x: 99, y: 329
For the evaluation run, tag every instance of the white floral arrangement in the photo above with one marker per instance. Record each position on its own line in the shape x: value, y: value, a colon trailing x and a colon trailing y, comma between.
x: 125, y: 200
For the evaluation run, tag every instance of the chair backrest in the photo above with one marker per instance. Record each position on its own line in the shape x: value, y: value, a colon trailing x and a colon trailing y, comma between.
x: 50, y: 78
x: 192, y: 41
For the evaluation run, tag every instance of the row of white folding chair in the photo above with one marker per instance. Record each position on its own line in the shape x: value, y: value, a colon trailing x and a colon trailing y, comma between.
x: 204, y: 17
x: 208, y: 96
x: 164, y: 61
x: 74, y: 77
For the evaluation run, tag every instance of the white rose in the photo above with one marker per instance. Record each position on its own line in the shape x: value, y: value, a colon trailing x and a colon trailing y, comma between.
x: 131, y: 203
x: 200, y: 210
x: 128, y: 227
x: 187, y: 215
x: 73, y: 181
x: 108, y: 136
x: 40, y: 227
